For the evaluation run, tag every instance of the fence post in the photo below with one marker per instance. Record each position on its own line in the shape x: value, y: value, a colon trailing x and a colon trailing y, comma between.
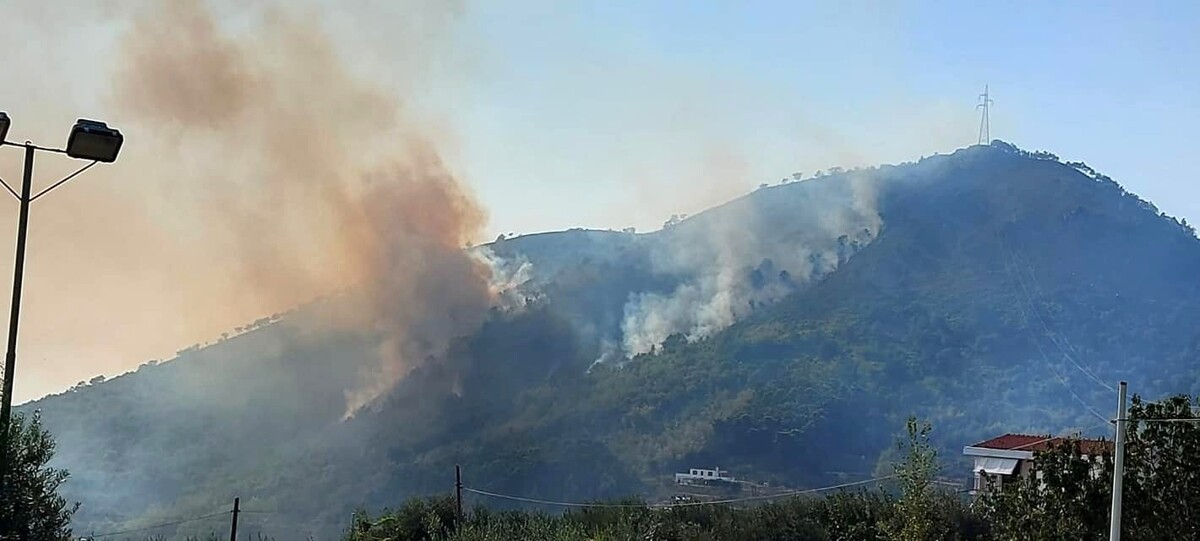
x: 233, y: 528
x: 458, y: 494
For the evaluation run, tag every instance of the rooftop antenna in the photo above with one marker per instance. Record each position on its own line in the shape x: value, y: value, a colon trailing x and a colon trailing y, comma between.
x: 985, y: 102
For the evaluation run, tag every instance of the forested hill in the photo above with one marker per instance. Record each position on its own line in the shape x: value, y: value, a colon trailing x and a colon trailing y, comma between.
x: 783, y: 336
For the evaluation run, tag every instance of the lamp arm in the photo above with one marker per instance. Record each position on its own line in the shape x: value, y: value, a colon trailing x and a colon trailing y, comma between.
x: 63, y: 181
x: 10, y: 190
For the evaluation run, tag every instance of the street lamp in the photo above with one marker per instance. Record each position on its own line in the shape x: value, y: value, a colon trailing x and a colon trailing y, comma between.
x: 92, y: 140
x: 89, y: 140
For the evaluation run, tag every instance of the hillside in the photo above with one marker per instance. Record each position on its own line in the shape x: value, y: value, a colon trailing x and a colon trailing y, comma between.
x: 783, y: 336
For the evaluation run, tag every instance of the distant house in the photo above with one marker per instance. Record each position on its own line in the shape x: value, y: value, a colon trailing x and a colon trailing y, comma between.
x: 1005, y: 458
x: 699, y: 476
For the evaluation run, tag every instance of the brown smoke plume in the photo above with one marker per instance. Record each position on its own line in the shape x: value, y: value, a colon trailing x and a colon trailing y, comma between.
x: 314, y: 179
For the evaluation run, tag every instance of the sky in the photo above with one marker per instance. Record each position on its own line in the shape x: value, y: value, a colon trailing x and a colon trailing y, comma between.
x: 598, y: 114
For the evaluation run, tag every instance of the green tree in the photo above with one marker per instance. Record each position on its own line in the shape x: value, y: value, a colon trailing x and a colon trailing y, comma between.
x: 33, y: 510
x: 417, y: 519
x: 1162, y: 484
x: 915, y: 473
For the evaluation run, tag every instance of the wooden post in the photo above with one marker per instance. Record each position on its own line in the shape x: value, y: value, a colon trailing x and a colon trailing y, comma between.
x: 233, y: 529
x: 458, y: 493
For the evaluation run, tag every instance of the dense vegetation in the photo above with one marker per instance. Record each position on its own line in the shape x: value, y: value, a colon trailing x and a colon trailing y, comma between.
x: 919, y: 512
x: 1003, y: 292
x: 866, y: 516
x: 1066, y: 496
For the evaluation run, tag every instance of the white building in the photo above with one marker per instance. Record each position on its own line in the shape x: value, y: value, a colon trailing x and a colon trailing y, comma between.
x: 698, y: 476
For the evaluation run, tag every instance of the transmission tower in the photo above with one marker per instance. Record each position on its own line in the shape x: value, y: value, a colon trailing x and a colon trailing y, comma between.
x: 985, y: 102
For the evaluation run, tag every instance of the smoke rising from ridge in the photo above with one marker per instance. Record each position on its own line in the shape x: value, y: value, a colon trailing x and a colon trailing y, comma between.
x: 749, y: 253
x: 145, y: 228
x: 313, y: 179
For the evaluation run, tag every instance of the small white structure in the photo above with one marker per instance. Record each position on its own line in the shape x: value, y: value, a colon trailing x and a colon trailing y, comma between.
x: 697, y: 476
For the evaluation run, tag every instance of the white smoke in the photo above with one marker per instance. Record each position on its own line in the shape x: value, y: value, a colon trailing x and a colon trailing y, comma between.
x: 511, y: 279
x: 751, y: 252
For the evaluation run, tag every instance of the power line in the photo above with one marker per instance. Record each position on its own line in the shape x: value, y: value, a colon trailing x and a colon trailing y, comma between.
x: 1082, y: 368
x: 163, y: 525
x: 1066, y: 386
x: 1050, y: 335
x: 549, y: 502
x: 786, y: 494
x: 687, y: 504
x: 1063, y: 381
x: 1009, y: 265
x: 1172, y: 420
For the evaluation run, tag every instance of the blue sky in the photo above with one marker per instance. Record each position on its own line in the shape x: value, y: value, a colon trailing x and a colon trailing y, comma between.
x: 602, y: 114
x: 582, y: 111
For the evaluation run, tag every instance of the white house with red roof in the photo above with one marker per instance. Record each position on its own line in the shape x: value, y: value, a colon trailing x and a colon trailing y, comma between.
x: 1006, y: 457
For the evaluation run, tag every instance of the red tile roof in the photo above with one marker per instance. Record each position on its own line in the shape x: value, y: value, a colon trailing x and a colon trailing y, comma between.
x: 1011, y: 441
x: 1028, y: 442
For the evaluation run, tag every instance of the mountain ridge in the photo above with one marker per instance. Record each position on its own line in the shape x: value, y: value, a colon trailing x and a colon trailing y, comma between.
x: 994, y: 281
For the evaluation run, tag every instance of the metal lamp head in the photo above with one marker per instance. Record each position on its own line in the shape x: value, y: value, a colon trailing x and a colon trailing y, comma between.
x: 4, y: 124
x: 92, y: 140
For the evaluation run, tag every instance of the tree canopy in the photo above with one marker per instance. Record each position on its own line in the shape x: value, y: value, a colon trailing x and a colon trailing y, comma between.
x: 32, y: 510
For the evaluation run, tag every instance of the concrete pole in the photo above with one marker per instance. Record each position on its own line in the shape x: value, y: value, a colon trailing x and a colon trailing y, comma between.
x: 1114, y: 530
x: 233, y: 528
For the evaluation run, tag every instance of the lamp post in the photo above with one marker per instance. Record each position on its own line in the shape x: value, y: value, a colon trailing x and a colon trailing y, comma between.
x: 89, y: 140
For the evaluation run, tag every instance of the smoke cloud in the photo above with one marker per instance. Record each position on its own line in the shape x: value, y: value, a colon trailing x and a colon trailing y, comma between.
x: 750, y: 253
x: 312, y: 179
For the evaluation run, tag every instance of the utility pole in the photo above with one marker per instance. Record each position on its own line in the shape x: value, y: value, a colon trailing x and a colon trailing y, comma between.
x: 985, y: 128
x: 233, y: 528
x: 458, y: 493
x: 10, y: 358
x: 1114, y: 530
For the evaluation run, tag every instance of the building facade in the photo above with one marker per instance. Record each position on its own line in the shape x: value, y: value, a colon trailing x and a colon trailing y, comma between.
x: 1011, y: 456
x: 696, y: 476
